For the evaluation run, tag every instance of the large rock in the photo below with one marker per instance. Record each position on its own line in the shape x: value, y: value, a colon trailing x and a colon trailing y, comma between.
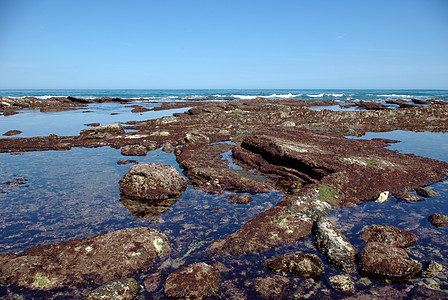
x: 387, y: 263
x: 389, y: 235
x: 196, y: 281
x: 152, y: 182
x: 336, y: 248
x: 103, y: 131
x: 88, y: 261
x: 305, y: 265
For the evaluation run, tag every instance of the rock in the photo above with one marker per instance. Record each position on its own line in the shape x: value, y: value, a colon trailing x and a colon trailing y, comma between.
x: 239, y: 199
x: 304, y: 265
x: 336, y: 248
x: 168, y: 148
x: 103, y: 131
x: 147, y: 210
x: 389, y: 235
x: 196, y: 137
x: 386, y: 263
x: 89, y: 261
x: 133, y: 150
x: 160, y: 133
x: 427, y: 193
x: 152, y: 182
x: 196, y: 281
x: 122, y: 289
x: 370, y: 105
x: 151, y: 145
x: 273, y: 287
x: 407, y: 197
x: 12, y: 132
x: 93, y: 124
x: 438, y: 220
x: 382, y: 197
x: 432, y: 268
x: 342, y: 282
x: 153, y: 282
x: 127, y: 162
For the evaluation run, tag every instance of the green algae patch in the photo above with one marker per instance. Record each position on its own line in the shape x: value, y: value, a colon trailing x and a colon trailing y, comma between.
x: 327, y: 193
x: 41, y: 281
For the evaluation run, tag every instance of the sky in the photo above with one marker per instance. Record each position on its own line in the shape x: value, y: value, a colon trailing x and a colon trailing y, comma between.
x: 179, y: 44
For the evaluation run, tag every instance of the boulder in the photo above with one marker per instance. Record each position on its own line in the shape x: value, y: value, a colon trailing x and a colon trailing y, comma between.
x: 239, y: 199
x: 273, y: 287
x: 89, y: 261
x: 427, y: 193
x: 386, y: 263
x: 152, y: 182
x: 196, y: 281
x: 134, y: 150
x: 304, y: 265
x: 336, y: 248
x: 407, y: 197
x: 390, y: 235
x: 103, y: 131
x: 123, y: 289
x: 438, y: 220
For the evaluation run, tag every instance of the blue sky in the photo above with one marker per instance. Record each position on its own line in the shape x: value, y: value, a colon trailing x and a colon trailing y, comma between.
x: 224, y: 44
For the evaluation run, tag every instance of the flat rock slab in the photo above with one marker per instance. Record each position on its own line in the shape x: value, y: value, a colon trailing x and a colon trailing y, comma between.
x: 88, y: 261
x: 339, y: 252
x: 152, y: 182
x: 387, y: 263
x: 196, y: 281
x: 134, y: 150
x: 390, y: 235
x: 304, y: 265
x: 103, y: 131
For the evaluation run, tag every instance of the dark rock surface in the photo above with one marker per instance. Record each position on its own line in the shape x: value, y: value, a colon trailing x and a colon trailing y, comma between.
x: 336, y: 248
x: 196, y: 281
x: 88, y: 261
x: 152, y: 182
x: 124, y: 289
x: 387, y: 263
x: 407, y: 197
x: 147, y: 209
x: 239, y: 199
x: 438, y: 220
x: 370, y: 105
x: 304, y: 265
x: 12, y: 132
x: 134, y: 150
x: 273, y: 287
x: 389, y: 235
x: 427, y: 193
x: 127, y: 162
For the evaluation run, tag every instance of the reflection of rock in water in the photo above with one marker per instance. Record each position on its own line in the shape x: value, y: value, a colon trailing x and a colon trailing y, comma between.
x: 147, y: 210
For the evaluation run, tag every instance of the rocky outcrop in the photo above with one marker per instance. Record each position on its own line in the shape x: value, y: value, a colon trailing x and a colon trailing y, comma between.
x: 304, y: 265
x: 387, y: 263
x: 103, y: 131
x: 389, y: 235
x: 438, y: 220
x: 124, y: 289
x: 152, y: 182
x: 336, y: 248
x: 134, y: 150
x: 196, y: 281
x: 88, y: 261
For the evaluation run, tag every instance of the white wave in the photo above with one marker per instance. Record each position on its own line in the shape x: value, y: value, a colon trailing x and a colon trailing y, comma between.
x: 323, y: 95
x: 283, y: 96
x: 249, y: 97
x: 45, y: 97
x: 316, y: 96
x: 244, y: 97
x: 397, y: 96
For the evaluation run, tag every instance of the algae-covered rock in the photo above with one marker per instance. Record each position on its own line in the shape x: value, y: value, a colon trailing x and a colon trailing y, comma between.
x: 438, y: 220
x: 432, y: 268
x: 152, y: 182
x: 342, y: 282
x: 196, y: 281
x: 134, y: 150
x: 339, y: 252
x: 122, y: 289
x: 304, y: 265
x: 103, y: 131
x: 387, y: 263
x: 239, y: 199
x: 273, y: 287
x: 389, y: 235
x: 87, y: 261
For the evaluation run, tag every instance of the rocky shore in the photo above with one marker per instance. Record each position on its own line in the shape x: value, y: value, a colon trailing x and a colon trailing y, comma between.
x: 277, y: 144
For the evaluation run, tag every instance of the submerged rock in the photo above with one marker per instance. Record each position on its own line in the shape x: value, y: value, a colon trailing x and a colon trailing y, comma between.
x: 87, y: 261
x: 304, y: 265
x: 387, y: 263
x: 407, y: 197
x: 432, y: 268
x: 389, y: 235
x: 342, y: 282
x: 196, y: 281
x: 273, y: 287
x: 336, y: 248
x: 145, y: 209
x: 123, y: 289
x: 152, y: 182
x: 239, y: 199
x: 134, y: 150
x: 427, y: 193
x: 438, y: 220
